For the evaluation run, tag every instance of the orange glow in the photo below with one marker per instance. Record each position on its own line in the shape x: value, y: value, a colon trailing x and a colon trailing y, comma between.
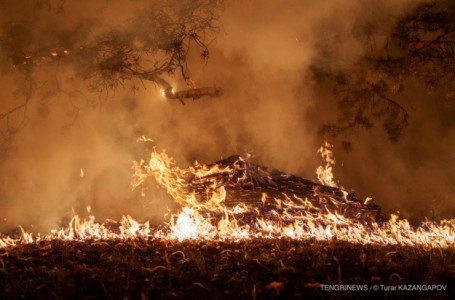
x: 296, y: 218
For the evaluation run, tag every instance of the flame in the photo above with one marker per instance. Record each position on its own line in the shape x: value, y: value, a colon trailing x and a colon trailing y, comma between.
x: 164, y: 91
x: 211, y: 218
x: 324, y: 173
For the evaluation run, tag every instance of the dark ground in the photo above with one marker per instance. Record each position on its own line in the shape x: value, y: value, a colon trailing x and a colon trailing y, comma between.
x: 261, y: 269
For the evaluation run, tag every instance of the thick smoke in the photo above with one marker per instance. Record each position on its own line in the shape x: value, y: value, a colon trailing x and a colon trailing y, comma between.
x: 271, y: 107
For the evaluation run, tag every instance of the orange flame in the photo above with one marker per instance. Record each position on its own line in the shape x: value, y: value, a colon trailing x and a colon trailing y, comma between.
x: 212, y: 219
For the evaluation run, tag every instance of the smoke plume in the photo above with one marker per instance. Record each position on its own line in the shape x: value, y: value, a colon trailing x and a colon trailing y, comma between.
x: 271, y: 108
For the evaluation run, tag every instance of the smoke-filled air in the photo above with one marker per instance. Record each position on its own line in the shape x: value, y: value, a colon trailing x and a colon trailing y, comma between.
x: 90, y: 88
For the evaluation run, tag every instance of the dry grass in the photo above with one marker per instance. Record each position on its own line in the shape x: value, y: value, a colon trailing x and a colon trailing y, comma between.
x: 262, y: 269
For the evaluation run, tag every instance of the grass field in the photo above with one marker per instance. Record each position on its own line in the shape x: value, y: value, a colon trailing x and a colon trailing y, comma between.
x: 258, y: 269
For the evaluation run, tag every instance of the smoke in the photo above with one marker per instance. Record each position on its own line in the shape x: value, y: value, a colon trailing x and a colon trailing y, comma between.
x: 271, y: 108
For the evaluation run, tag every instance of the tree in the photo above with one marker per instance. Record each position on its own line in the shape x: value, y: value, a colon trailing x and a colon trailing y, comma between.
x: 420, y: 45
x: 154, y: 43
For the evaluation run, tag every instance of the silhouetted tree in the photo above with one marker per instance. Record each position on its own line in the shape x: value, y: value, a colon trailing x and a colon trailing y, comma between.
x: 154, y: 43
x: 420, y: 45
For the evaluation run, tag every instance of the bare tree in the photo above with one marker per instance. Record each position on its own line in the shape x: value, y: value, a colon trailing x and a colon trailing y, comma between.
x: 421, y: 46
x: 154, y: 43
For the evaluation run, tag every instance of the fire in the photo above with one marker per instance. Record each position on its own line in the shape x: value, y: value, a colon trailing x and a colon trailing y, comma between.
x: 167, y: 92
x: 324, y: 173
x: 211, y: 217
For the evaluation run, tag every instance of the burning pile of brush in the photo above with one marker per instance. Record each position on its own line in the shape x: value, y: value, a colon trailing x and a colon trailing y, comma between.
x: 233, y: 199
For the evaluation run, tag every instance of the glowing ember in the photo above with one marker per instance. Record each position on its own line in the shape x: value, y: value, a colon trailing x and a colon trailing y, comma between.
x: 326, y: 214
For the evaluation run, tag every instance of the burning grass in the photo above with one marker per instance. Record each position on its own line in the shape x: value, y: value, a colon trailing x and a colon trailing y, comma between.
x: 233, y: 199
x: 262, y: 269
x: 245, y: 231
